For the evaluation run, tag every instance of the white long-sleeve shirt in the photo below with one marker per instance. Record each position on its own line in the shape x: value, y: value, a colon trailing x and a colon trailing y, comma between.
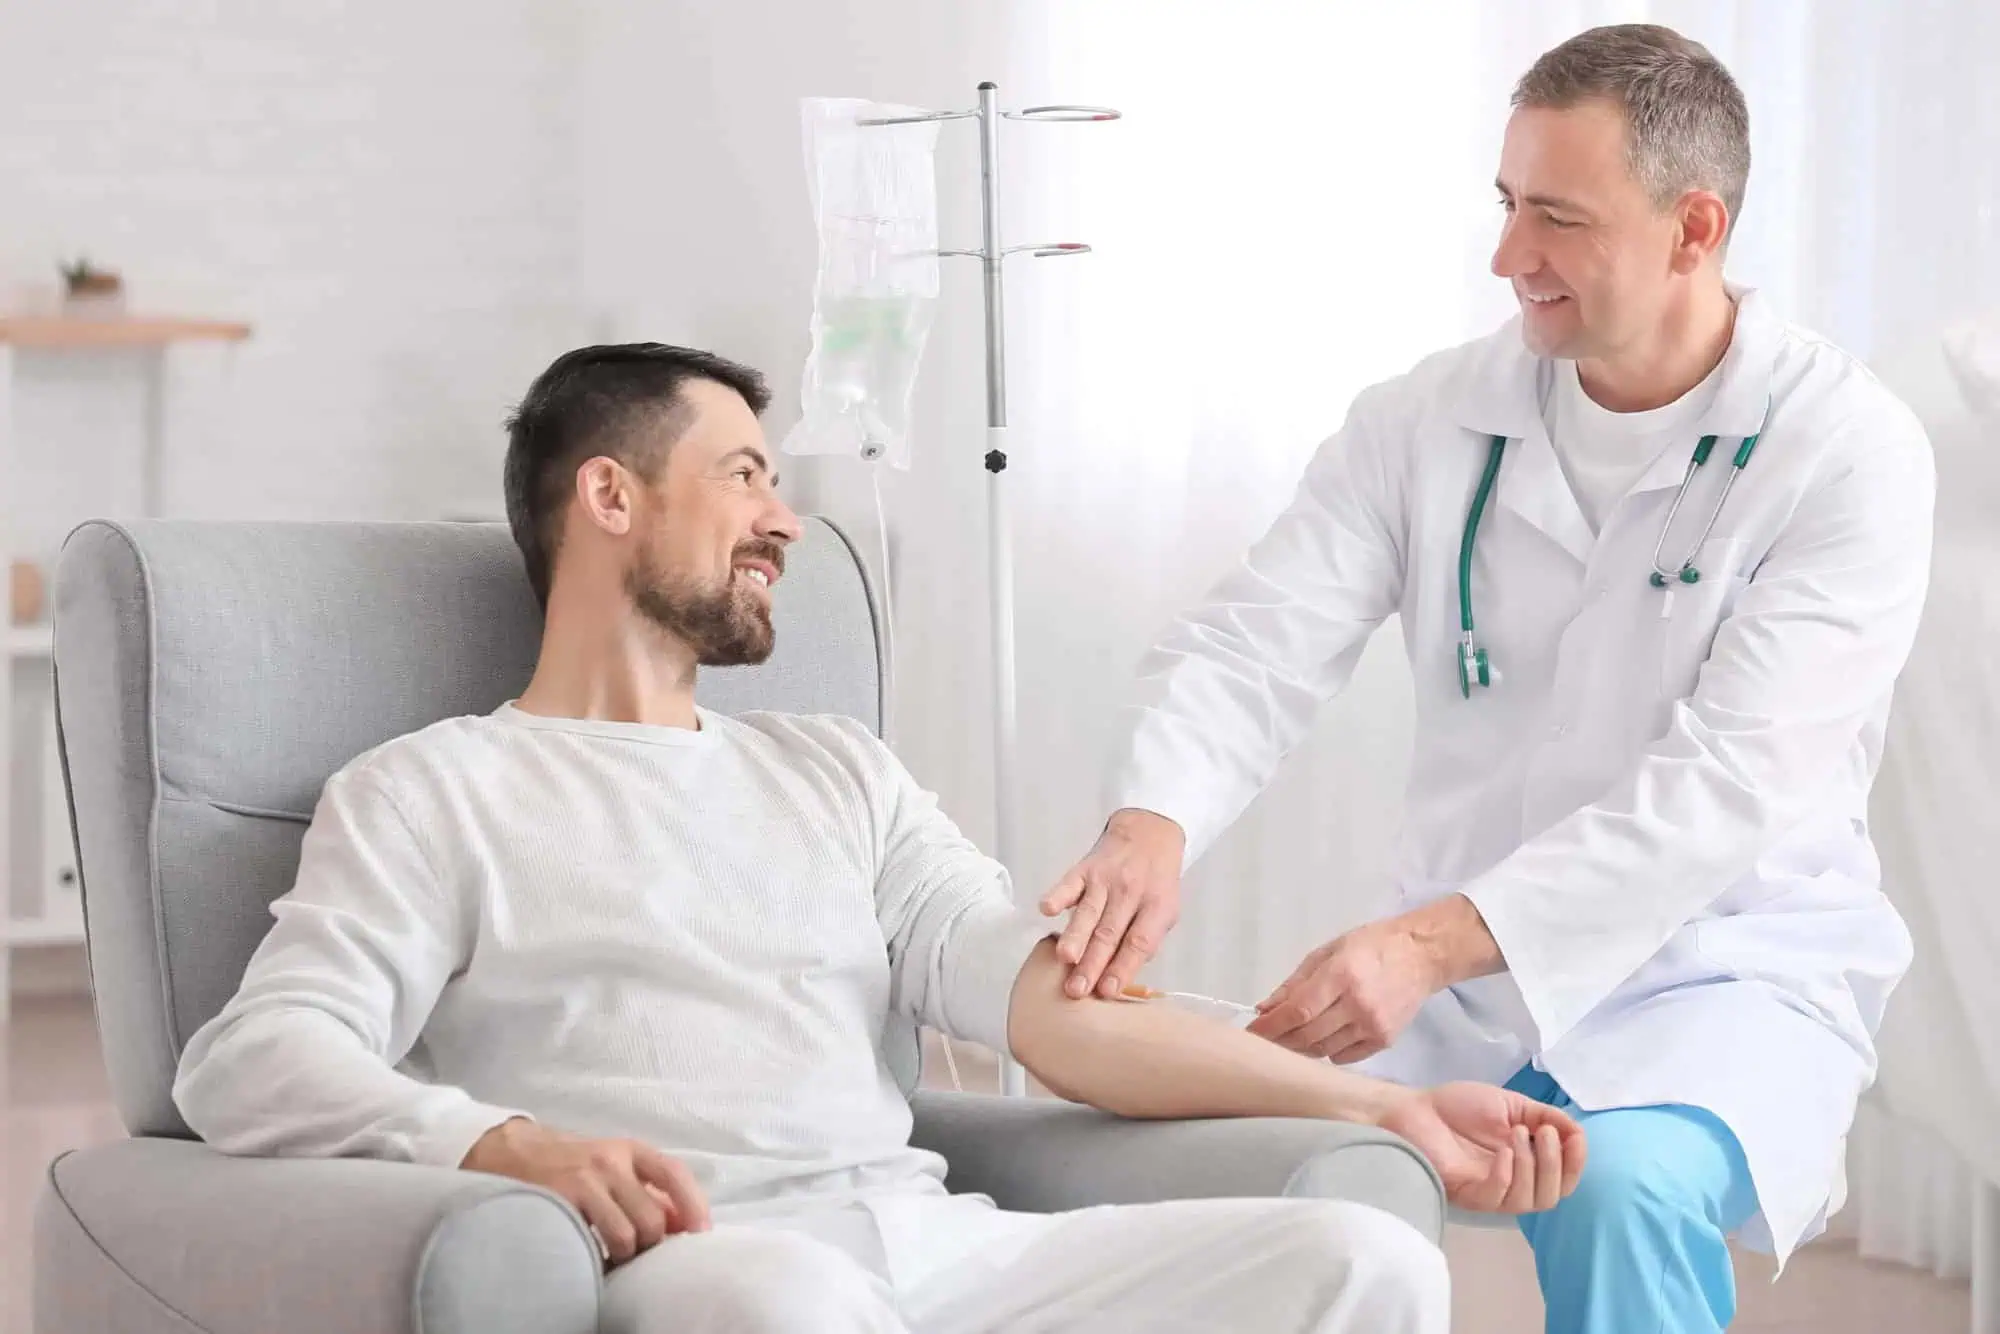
x: 690, y: 938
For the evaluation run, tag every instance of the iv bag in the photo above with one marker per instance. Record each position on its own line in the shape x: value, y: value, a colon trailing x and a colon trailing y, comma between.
x: 874, y: 201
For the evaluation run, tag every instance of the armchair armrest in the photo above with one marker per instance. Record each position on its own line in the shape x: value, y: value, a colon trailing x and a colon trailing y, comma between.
x: 157, y: 1236
x: 1040, y: 1155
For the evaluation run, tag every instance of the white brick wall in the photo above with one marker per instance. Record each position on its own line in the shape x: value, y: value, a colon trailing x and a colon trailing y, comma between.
x: 387, y: 192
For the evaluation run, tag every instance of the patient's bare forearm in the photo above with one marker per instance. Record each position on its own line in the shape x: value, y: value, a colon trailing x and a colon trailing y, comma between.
x: 1154, y: 1062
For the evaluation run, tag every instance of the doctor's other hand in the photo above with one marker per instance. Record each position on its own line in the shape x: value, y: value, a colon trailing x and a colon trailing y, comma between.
x: 1352, y: 996
x: 1497, y: 1151
x: 1122, y: 899
x: 632, y: 1195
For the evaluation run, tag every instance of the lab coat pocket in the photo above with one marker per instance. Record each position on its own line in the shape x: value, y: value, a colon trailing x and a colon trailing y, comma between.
x: 1690, y: 614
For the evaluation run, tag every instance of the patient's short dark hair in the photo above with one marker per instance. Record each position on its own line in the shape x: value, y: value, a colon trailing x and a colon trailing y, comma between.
x: 599, y: 402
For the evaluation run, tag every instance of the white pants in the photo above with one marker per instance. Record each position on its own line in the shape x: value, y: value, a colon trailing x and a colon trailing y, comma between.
x: 959, y: 1266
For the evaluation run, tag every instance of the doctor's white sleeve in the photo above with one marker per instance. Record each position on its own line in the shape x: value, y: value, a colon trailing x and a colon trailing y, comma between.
x: 1806, y: 658
x: 1236, y: 683
x: 300, y: 1063
x: 956, y: 939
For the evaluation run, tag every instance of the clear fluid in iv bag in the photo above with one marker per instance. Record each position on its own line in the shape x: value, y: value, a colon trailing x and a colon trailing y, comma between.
x: 863, y: 373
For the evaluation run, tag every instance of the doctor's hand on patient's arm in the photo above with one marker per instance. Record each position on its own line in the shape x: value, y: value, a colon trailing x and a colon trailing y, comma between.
x: 630, y: 1193
x: 1122, y: 898
x: 1355, y: 994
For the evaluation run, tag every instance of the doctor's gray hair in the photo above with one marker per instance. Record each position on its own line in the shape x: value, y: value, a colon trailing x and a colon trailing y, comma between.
x: 1686, y: 124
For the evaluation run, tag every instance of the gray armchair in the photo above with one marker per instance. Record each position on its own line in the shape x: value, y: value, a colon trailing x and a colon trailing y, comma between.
x: 209, y: 679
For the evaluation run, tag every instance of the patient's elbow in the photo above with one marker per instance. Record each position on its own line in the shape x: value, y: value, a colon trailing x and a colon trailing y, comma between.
x: 1047, y: 1029
x: 216, y: 1103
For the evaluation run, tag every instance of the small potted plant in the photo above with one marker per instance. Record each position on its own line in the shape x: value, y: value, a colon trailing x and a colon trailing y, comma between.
x: 92, y: 289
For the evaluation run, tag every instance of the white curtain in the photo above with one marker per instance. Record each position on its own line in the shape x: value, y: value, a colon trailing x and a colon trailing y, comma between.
x: 1929, y: 1140
x: 1258, y: 263
x: 1299, y: 203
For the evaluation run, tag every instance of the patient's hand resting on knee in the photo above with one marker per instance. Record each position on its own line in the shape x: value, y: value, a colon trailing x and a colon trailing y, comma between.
x: 631, y: 1194
x: 1497, y: 1151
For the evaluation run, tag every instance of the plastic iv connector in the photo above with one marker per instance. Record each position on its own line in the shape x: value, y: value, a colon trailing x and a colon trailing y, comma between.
x: 1224, y: 1011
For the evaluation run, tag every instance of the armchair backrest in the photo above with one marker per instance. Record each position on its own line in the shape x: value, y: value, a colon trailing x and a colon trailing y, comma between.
x: 210, y: 677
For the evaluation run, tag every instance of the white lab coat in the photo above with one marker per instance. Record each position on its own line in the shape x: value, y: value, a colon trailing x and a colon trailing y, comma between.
x: 1661, y: 809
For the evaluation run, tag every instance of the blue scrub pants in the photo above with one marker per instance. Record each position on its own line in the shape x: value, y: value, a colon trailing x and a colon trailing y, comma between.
x: 1640, y: 1247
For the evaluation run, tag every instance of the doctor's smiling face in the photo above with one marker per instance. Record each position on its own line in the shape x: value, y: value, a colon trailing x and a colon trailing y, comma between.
x: 1586, y: 253
x: 1623, y: 165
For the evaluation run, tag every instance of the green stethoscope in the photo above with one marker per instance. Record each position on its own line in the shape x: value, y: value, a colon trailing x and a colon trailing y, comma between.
x: 1472, y: 661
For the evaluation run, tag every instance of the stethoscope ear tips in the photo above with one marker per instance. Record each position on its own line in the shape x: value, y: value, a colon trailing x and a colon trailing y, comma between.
x: 1688, y: 575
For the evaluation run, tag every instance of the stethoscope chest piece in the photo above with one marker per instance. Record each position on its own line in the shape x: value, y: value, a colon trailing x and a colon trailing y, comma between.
x: 1473, y: 667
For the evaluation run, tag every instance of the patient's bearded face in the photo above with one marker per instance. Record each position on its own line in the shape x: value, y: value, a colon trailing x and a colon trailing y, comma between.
x: 726, y: 621
x: 712, y: 534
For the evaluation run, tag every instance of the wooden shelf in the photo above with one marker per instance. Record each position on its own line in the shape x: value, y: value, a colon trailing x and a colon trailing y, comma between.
x: 85, y: 331
x: 30, y: 641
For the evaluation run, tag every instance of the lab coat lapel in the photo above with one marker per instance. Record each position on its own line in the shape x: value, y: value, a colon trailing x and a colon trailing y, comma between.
x: 1532, y: 484
x: 1742, y: 399
x: 1501, y: 397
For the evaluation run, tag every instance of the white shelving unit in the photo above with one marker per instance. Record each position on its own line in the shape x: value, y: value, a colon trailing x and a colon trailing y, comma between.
x: 30, y: 641
x: 51, y: 912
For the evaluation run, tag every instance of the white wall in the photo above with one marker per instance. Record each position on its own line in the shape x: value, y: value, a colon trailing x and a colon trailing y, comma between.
x: 386, y: 192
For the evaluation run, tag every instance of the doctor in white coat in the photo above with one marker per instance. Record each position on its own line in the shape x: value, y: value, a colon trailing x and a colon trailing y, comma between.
x: 1658, y: 558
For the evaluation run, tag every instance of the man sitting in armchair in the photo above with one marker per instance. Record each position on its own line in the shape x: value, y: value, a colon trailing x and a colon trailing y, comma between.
x: 642, y: 954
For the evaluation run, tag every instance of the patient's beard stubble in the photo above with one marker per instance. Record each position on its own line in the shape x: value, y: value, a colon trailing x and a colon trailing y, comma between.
x: 725, y: 625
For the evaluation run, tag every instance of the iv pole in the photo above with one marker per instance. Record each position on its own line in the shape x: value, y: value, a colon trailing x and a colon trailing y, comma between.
x: 1000, y: 552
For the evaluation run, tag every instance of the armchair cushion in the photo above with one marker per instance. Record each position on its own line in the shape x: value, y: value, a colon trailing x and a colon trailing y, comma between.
x: 1039, y: 1155
x: 153, y: 1236
x: 157, y: 1236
